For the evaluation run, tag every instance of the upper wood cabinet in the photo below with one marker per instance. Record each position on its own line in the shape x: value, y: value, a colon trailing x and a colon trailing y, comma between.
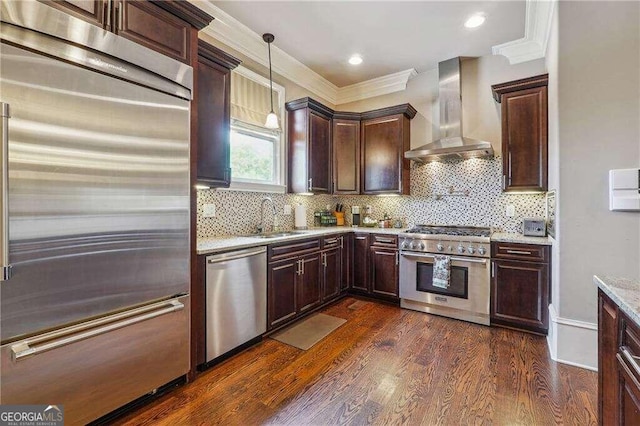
x: 213, y: 111
x: 524, y: 133
x: 164, y: 26
x: 346, y: 154
x: 385, y: 136
x: 309, y: 130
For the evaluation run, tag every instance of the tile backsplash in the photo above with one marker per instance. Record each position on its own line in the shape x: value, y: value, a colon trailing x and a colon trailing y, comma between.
x: 238, y: 212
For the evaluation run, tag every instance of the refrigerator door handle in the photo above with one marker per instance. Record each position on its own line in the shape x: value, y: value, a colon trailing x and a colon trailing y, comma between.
x: 4, y: 194
x: 74, y: 334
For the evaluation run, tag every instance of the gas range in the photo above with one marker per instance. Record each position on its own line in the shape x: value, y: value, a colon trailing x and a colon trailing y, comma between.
x: 469, y: 241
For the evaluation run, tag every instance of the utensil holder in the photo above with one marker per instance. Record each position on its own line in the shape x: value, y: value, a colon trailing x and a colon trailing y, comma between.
x: 339, y: 218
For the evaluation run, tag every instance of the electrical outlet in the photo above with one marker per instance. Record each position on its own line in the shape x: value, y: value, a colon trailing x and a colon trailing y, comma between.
x: 209, y: 210
x: 511, y: 210
x: 287, y: 210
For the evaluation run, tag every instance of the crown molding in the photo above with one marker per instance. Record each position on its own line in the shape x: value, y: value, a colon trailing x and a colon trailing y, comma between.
x: 538, y: 18
x: 391, y: 83
x: 228, y: 30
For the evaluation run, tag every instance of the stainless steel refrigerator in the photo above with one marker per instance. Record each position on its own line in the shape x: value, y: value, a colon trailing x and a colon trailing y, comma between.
x: 95, y: 214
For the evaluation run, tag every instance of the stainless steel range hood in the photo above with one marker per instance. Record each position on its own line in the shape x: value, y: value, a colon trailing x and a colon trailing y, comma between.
x: 451, y: 143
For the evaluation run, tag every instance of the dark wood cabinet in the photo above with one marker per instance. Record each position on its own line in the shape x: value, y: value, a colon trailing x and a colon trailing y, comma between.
x: 618, y: 365
x: 360, y: 262
x: 384, y: 271
x: 607, y: 363
x: 331, y: 273
x: 282, y: 304
x: 348, y: 152
x: 346, y: 156
x: 309, y: 282
x: 524, y: 133
x: 309, y: 130
x: 93, y: 11
x: 213, y: 110
x: 385, y: 136
x: 520, y: 288
x: 164, y: 26
x: 347, y: 262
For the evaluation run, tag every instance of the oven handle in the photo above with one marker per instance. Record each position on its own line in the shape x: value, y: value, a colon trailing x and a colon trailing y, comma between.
x: 458, y: 259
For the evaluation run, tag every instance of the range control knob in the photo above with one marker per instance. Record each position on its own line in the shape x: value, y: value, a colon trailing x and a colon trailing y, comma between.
x: 412, y: 245
x: 460, y: 249
x: 481, y: 250
x: 420, y: 246
x: 405, y: 244
x: 440, y: 247
x: 470, y: 250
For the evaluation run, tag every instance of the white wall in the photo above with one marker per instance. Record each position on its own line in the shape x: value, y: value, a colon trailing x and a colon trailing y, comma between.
x: 594, y: 126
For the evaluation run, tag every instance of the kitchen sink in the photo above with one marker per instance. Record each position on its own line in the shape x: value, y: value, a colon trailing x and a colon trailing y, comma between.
x: 277, y: 234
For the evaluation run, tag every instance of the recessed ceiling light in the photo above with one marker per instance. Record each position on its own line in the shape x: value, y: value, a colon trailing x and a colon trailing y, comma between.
x: 475, y: 21
x: 355, y: 60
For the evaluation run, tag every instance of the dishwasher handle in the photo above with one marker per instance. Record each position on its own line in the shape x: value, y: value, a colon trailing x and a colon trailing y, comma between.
x: 240, y: 254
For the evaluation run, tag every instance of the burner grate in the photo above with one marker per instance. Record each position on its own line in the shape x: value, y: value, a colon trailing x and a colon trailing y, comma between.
x: 462, y: 231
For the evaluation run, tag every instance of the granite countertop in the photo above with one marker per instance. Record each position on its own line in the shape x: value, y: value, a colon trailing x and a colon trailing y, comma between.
x: 513, y: 237
x: 231, y: 242
x: 624, y: 292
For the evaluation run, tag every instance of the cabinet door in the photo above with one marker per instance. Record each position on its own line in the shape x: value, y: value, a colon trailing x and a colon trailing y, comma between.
x: 607, y: 367
x: 629, y: 392
x: 384, y: 271
x: 360, y: 262
x: 524, y: 140
x: 346, y: 156
x: 282, y: 291
x: 520, y: 295
x: 92, y: 11
x: 319, y: 153
x: 214, y: 83
x: 347, y: 261
x: 384, y: 169
x: 149, y: 25
x: 309, y: 285
x: 331, y: 273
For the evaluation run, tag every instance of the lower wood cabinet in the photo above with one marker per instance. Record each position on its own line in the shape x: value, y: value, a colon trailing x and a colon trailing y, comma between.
x: 384, y: 271
x: 331, y: 273
x: 375, y: 266
x: 607, y: 363
x: 309, y: 283
x: 618, y: 365
x: 520, y: 286
x: 360, y: 262
x: 282, y: 304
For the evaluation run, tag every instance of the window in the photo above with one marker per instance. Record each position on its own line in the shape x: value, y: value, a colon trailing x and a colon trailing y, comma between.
x: 257, y: 153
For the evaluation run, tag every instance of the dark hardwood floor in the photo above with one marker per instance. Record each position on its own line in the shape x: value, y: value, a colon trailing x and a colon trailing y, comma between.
x: 387, y: 366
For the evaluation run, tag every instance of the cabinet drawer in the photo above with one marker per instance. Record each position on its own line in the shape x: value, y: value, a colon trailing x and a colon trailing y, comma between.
x: 383, y: 240
x: 630, y: 336
x: 514, y: 251
x: 332, y: 241
x: 284, y: 250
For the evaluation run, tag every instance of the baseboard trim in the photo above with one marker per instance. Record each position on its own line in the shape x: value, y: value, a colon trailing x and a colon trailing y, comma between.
x: 572, y: 342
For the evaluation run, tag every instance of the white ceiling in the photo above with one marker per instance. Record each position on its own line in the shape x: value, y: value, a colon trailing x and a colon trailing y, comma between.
x: 391, y: 36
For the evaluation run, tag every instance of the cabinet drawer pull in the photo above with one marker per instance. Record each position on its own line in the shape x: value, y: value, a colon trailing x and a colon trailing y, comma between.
x: 385, y: 240
x: 631, y: 360
x: 519, y: 252
x: 310, y: 184
x: 331, y: 241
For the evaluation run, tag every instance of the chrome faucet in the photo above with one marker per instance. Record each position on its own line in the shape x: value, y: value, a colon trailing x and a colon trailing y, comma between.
x: 262, y: 227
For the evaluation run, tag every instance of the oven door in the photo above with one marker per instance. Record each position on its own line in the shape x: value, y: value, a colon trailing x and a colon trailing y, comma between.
x: 468, y: 289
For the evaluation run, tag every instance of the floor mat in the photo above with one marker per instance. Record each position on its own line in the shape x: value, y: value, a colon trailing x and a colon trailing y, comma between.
x: 309, y: 331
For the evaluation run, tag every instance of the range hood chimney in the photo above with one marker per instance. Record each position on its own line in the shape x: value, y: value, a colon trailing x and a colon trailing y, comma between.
x: 451, y: 143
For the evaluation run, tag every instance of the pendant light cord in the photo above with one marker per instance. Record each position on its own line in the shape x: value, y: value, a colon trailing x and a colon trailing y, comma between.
x: 270, y: 78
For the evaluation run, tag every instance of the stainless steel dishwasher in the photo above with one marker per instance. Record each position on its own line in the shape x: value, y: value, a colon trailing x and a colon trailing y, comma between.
x: 236, y: 297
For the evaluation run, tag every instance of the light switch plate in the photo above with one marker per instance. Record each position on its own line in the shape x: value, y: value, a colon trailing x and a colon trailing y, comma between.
x: 511, y: 210
x: 209, y: 210
x: 287, y: 210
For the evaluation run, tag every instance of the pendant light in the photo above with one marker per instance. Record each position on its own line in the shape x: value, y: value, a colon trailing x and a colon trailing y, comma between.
x: 272, y: 118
